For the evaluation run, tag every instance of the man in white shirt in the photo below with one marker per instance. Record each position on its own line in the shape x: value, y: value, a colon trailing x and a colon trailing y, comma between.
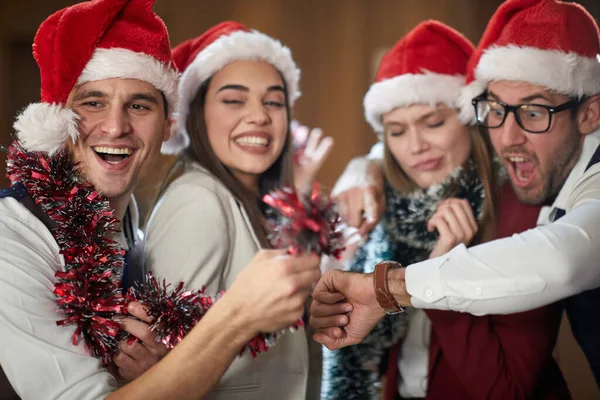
x: 108, y: 87
x: 538, y: 67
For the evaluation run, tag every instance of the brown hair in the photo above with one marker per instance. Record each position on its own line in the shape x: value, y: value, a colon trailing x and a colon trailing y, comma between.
x: 482, y: 157
x: 201, y: 152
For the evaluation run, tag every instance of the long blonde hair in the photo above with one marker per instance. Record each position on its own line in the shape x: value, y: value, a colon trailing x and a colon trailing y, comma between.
x: 201, y: 152
x: 482, y: 157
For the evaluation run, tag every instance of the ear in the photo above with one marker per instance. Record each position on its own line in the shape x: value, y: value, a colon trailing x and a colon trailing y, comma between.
x: 588, y: 115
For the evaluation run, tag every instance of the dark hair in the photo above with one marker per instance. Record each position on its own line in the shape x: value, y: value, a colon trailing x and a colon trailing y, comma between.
x: 165, y: 104
x: 200, y: 151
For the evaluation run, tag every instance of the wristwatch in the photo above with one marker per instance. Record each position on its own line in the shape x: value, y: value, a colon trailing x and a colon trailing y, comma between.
x: 382, y: 292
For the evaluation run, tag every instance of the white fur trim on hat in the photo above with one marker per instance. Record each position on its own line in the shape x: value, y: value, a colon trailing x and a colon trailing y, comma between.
x: 123, y: 63
x: 465, y: 101
x: 46, y: 127
x: 238, y: 45
x: 427, y: 88
x: 566, y: 73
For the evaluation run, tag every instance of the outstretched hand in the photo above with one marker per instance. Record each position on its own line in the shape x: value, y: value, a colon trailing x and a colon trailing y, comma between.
x: 344, y: 300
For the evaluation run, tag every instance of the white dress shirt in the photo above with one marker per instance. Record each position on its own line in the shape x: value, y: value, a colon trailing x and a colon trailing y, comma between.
x: 528, y: 270
x: 36, y: 355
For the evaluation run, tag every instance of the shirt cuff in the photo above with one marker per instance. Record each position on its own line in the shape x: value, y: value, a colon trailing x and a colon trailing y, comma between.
x: 423, y: 282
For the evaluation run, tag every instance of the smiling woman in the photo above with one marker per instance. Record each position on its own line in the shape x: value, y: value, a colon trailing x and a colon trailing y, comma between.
x: 232, y: 134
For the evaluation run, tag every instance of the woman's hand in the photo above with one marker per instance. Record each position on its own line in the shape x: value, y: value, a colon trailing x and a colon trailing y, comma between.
x: 310, y: 152
x: 455, y: 222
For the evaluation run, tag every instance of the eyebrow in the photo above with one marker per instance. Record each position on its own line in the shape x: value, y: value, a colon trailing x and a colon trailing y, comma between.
x: 274, y: 88
x: 144, y: 96
x: 429, y: 114
x: 89, y: 93
x: 525, y: 100
x: 233, y: 87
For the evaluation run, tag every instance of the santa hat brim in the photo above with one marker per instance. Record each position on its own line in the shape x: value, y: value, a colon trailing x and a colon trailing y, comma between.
x: 47, y: 127
x: 408, y: 89
x: 239, y: 45
x: 566, y: 73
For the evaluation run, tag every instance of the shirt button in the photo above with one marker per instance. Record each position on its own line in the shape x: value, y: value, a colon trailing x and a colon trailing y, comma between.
x: 429, y: 292
x: 478, y: 291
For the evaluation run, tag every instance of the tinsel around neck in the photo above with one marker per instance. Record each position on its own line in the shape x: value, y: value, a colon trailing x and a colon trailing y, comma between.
x: 88, y: 287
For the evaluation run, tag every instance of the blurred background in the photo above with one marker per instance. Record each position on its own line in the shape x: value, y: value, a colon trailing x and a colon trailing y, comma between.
x: 336, y: 43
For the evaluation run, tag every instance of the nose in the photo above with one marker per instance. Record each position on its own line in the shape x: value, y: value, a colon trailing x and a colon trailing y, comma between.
x: 511, y: 134
x: 116, y: 122
x: 417, y: 143
x: 257, y: 114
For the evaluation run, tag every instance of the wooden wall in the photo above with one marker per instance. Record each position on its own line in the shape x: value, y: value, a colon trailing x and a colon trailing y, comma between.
x: 336, y: 43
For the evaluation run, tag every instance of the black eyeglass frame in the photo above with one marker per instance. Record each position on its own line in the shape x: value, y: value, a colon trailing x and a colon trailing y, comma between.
x: 513, y: 109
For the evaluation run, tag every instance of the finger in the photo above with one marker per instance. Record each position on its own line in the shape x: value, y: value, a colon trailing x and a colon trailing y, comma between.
x: 326, y: 310
x: 469, y: 213
x: 342, y: 207
x: 322, y: 151
x: 314, y: 137
x: 307, y: 279
x: 448, y: 214
x: 141, y: 331
x: 325, y: 296
x: 441, y: 225
x: 129, y: 369
x: 302, y: 263
x: 135, y: 350
x: 333, y: 332
x: 300, y: 134
x: 294, y: 125
x: 264, y: 255
x: 355, y: 207
x: 139, y: 311
x: 331, y: 343
x: 370, y: 204
x: 329, y: 322
x: 462, y: 216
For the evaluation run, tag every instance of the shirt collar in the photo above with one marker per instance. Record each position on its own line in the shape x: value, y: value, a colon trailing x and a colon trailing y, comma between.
x: 590, y: 144
x: 129, y: 233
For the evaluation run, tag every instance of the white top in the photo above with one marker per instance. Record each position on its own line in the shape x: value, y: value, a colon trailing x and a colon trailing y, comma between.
x: 528, y: 270
x: 200, y: 235
x: 36, y: 355
x: 413, y: 363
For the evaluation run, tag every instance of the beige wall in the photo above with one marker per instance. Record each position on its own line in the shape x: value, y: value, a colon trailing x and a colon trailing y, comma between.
x: 335, y: 43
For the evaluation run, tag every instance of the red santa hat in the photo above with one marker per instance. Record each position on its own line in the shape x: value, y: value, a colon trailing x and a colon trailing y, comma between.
x: 96, y: 40
x: 428, y: 66
x: 199, y: 58
x: 549, y: 43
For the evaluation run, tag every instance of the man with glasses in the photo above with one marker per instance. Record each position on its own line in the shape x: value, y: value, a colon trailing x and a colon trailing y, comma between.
x: 538, y: 65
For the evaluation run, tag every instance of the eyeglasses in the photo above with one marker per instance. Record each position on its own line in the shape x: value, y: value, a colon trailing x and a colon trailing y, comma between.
x: 533, y: 118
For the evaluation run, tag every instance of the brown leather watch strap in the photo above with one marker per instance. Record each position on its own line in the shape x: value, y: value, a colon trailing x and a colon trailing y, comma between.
x: 382, y: 291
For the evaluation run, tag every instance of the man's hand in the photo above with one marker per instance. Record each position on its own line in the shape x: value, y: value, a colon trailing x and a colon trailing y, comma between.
x: 455, y: 222
x: 312, y: 151
x: 362, y: 206
x: 344, y: 299
x: 137, y: 357
x: 271, y: 291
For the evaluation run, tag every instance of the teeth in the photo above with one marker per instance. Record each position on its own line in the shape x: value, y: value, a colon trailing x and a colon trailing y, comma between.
x: 113, y: 150
x: 252, y: 141
x: 516, y: 159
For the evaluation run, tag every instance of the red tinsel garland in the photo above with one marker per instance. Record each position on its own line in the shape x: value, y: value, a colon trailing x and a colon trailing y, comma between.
x: 307, y: 222
x: 88, y: 290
